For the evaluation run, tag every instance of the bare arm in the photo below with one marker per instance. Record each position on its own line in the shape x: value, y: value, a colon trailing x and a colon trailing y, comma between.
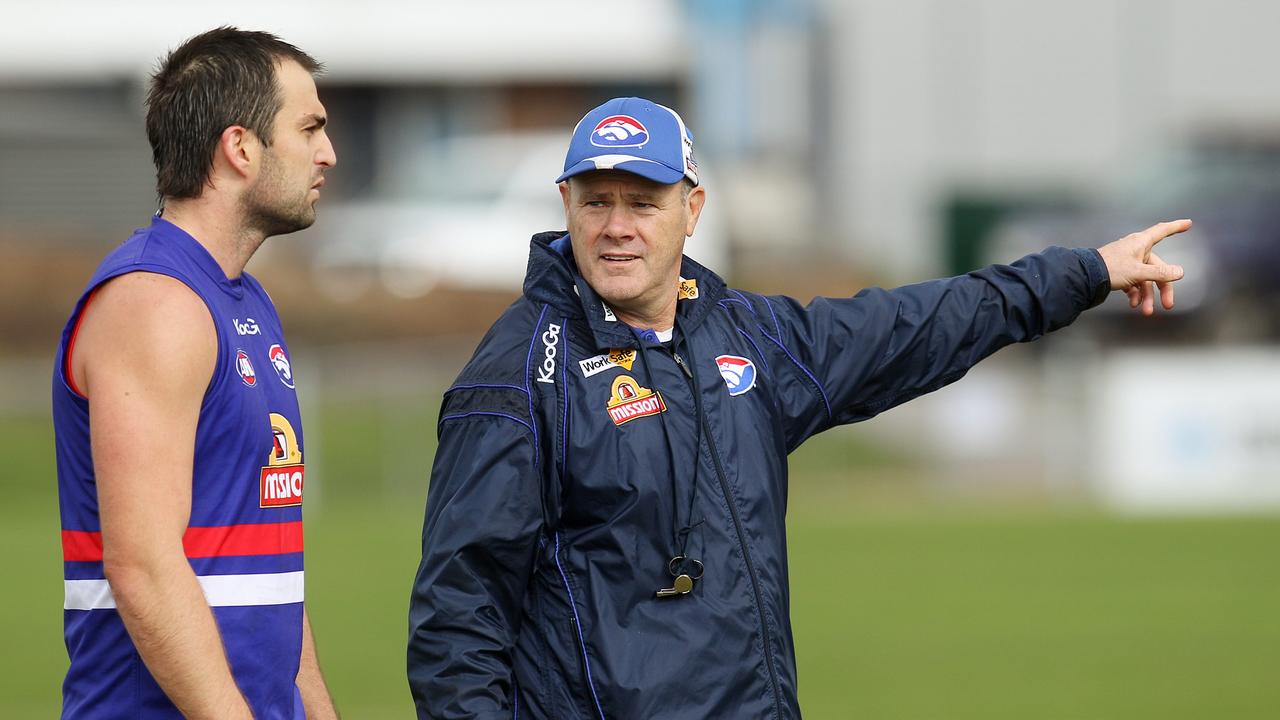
x: 144, y: 357
x: 315, y: 694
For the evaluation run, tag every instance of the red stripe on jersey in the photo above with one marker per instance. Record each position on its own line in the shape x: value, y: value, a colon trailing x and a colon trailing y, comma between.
x: 202, y: 542
x: 78, y: 545
x: 261, y: 539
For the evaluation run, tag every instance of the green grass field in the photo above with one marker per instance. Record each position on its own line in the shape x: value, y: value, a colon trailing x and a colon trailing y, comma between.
x: 902, y: 609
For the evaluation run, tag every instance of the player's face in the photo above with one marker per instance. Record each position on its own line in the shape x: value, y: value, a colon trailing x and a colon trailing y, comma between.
x: 283, y: 197
x: 628, y: 235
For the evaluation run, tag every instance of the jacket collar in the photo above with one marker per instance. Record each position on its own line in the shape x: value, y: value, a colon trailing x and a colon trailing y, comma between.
x: 553, y: 279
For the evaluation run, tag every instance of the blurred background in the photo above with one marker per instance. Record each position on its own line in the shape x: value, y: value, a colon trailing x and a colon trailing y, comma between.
x: 1082, y: 528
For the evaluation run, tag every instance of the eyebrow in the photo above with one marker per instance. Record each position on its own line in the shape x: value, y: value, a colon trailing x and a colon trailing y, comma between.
x: 605, y: 194
x: 314, y: 118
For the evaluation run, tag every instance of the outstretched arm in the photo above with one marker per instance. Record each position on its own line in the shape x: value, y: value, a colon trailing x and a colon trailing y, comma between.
x: 840, y: 360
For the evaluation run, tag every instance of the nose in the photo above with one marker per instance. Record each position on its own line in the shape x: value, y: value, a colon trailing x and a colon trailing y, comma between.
x: 621, y: 224
x: 326, y: 155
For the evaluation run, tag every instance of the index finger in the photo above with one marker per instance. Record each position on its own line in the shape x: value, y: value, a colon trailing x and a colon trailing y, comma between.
x: 1160, y: 231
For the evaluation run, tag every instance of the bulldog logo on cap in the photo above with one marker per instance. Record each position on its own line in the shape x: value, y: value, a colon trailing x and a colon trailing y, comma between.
x: 619, y: 131
x: 612, y: 137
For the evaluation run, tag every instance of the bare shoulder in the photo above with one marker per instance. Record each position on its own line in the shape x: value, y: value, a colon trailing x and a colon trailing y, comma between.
x: 144, y: 324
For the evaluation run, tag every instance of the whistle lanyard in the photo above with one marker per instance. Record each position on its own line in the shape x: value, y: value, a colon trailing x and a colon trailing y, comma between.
x: 683, y: 569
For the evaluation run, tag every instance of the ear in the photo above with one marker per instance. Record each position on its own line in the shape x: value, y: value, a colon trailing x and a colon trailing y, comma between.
x: 239, y: 151
x: 697, y: 198
x: 564, y: 197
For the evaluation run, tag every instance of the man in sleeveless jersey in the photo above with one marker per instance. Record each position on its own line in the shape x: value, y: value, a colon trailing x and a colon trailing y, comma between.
x: 179, y: 442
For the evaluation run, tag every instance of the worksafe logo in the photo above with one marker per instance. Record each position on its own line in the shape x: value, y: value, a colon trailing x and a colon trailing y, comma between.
x: 280, y: 362
x: 280, y: 484
x: 688, y: 289
x: 619, y: 131
x: 615, y: 358
x: 739, y: 373
x: 630, y: 401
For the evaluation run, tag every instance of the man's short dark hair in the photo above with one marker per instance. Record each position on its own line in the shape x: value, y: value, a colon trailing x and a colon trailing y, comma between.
x: 215, y: 80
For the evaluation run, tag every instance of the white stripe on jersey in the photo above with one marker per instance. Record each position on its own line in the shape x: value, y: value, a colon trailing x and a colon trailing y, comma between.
x: 219, y: 591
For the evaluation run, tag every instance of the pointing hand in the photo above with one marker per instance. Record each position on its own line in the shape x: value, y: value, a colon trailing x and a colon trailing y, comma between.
x: 1134, y: 267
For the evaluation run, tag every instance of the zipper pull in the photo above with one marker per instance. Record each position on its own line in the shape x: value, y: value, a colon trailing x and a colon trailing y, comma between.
x: 680, y: 361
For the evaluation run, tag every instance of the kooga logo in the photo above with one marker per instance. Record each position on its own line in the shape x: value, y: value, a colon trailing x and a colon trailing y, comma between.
x: 550, y: 339
x: 250, y: 327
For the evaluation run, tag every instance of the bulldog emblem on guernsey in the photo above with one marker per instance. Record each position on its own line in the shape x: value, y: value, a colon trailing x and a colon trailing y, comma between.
x: 280, y: 361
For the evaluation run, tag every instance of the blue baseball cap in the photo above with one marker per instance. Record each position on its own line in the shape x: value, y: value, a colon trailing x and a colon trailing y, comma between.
x: 632, y: 135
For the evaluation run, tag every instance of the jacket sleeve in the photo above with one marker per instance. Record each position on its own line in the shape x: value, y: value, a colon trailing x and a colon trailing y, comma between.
x: 479, y: 537
x: 848, y: 359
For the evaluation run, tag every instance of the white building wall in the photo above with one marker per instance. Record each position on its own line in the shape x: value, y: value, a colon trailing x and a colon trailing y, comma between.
x: 931, y: 94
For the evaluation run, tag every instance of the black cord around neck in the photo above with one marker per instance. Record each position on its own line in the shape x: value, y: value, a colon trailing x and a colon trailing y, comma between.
x: 680, y: 532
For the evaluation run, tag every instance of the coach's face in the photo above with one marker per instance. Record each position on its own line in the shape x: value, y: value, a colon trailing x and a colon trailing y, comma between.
x: 283, y: 197
x: 628, y: 235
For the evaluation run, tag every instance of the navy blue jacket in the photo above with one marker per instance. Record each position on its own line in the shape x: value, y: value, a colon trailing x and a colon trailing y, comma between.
x: 578, y: 457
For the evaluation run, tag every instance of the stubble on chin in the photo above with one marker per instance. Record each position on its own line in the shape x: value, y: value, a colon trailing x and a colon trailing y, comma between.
x: 267, y: 213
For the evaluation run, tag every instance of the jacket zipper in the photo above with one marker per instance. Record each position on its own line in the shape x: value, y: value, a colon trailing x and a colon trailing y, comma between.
x: 737, y: 526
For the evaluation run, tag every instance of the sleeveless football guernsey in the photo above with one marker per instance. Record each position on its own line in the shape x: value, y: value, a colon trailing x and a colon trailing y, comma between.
x: 244, y: 538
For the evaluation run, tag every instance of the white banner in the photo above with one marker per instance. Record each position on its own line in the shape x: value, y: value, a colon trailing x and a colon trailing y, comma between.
x: 1188, y: 430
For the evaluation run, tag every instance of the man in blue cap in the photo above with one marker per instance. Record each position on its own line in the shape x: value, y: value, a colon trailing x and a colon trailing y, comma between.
x: 604, y: 530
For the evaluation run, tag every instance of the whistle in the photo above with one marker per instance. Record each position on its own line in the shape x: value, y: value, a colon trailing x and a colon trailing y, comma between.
x: 681, y: 586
